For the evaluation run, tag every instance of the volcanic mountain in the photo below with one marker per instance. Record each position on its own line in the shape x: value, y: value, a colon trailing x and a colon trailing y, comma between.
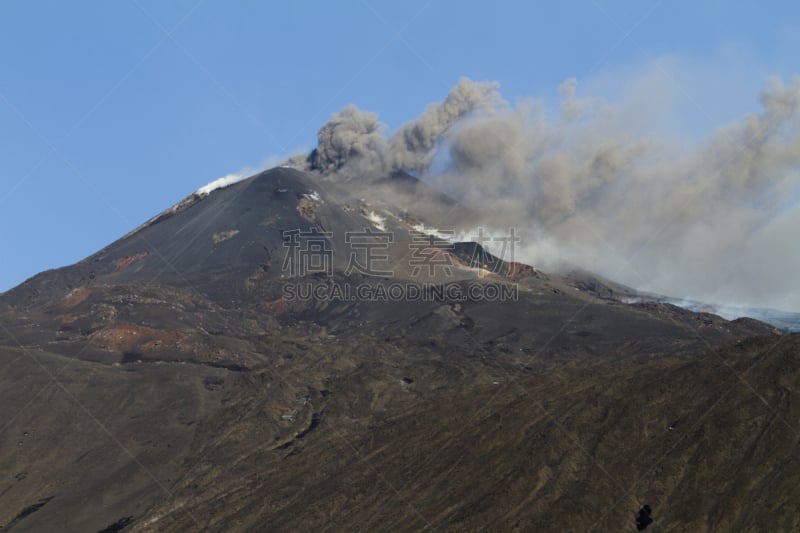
x: 173, y: 382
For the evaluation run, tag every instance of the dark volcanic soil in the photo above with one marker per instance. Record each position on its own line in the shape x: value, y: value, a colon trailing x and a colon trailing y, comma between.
x: 165, y: 384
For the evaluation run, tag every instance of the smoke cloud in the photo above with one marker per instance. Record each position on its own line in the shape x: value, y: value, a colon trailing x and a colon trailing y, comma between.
x: 412, y: 147
x: 352, y: 142
x: 712, y: 219
x: 220, y: 183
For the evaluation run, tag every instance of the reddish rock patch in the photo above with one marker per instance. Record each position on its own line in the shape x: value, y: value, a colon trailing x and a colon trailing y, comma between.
x: 131, y: 338
x: 307, y: 209
x: 129, y: 260
x: 279, y: 306
x: 73, y: 299
x: 519, y: 270
x: 123, y: 337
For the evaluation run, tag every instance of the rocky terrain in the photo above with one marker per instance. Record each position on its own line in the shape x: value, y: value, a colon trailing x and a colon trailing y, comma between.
x: 167, y: 383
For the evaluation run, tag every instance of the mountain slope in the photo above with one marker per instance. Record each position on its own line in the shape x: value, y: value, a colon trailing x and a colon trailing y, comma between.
x: 185, y: 390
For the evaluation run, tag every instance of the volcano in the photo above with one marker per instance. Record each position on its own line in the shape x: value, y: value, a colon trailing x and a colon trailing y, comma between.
x: 179, y: 380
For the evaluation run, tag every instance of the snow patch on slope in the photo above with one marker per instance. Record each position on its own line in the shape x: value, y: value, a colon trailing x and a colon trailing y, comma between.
x: 313, y: 196
x: 444, y: 235
x: 378, y: 221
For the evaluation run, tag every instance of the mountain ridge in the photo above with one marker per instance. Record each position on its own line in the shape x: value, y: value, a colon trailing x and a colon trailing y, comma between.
x: 187, y: 391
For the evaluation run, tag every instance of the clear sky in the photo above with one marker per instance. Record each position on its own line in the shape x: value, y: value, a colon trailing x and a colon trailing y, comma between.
x: 111, y: 111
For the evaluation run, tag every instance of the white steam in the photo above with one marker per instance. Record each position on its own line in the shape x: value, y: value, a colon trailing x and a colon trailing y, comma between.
x: 702, y: 221
x: 220, y: 183
x: 593, y: 184
x: 246, y: 172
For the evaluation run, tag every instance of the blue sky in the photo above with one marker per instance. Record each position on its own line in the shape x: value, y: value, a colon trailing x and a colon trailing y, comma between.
x: 112, y: 111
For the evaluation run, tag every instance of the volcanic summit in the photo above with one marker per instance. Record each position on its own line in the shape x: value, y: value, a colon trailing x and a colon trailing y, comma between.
x: 170, y: 382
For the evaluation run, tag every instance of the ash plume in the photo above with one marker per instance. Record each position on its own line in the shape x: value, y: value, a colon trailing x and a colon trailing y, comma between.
x: 351, y: 138
x: 412, y: 147
x: 352, y: 141
x: 658, y: 215
x: 591, y: 185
